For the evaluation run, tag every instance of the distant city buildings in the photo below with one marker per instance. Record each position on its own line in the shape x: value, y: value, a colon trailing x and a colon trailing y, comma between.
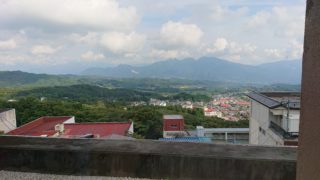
x: 274, y: 118
x: 229, y: 108
x: 7, y: 120
x: 211, y: 112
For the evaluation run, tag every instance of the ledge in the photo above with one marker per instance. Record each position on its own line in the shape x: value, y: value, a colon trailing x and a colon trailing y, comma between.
x: 146, y: 158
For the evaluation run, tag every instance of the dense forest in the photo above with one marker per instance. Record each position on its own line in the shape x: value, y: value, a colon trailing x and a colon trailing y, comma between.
x: 147, y: 119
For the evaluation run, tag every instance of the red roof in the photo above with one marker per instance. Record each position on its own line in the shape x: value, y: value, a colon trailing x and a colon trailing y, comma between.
x: 225, y: 105
x: 40, y: 126
x: 102, y: 129
x: 46, y: 126
x: 243, y: 103
x: 210, y: 110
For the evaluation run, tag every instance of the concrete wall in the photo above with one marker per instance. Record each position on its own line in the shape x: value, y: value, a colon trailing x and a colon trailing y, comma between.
x: 259, y: 118
x: 8, y: 120
x: 146, y: 159
x: 260, y: 132
x: 309, y: 143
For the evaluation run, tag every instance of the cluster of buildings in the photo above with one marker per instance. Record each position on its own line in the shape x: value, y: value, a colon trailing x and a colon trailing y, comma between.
x: 274, y: 120
x: 228, y: 108
x: 164, y: 103
x: 173, y: 130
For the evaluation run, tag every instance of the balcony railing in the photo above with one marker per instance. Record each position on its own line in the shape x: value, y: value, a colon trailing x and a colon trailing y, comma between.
x: 278, y: 129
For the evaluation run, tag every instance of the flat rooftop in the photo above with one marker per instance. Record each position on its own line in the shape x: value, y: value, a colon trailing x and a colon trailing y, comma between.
x: 172, y: 117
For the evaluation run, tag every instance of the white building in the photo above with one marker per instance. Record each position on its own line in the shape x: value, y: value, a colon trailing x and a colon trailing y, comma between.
x: 7, y: 120
x: 211, y: 112
x: 274, y: 118
x: 224, y: 135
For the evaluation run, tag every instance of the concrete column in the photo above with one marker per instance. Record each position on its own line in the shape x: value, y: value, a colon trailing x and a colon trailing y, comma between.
x: 226, y: 136
x: 308, y: 167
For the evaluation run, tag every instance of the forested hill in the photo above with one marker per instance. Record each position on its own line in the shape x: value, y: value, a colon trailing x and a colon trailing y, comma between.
x: 19, y: 78
x: 88, y: 93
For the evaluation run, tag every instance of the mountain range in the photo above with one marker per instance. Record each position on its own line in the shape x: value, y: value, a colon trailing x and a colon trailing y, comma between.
x: 209, y: 68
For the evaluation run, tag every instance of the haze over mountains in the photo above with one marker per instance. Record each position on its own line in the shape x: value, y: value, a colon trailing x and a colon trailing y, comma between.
x: 209, y: 68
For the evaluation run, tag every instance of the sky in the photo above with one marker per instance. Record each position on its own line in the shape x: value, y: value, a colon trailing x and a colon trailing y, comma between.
x: 68, y: 36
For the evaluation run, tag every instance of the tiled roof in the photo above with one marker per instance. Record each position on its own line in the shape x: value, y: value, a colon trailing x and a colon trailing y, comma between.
x: 40, y: 126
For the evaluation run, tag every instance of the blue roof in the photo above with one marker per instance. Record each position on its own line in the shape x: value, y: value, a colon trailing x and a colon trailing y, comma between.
x: 187, y: 139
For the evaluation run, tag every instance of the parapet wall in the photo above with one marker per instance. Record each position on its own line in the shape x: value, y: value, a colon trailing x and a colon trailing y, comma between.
x: 146, y: 159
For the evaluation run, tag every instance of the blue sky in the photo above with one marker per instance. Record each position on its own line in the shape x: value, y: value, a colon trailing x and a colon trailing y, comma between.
x: 67, y: 36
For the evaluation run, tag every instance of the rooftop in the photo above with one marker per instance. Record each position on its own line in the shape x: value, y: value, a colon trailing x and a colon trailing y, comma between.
x: 187, y: 139
x: 41, y: 126
x: 276, y: 99
x: 172, y: 117
x: 96, y: 129
x: 46, y: 126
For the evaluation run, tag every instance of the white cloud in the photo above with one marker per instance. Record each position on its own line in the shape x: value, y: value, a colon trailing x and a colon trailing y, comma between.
x: 168, y: 54
x: 179, y: 34
x: 121, y: 43
x: 232, y: 50
x: 89, y: 38
x: 89, y: 55
x: 274, y: 53
x: 104, y: 14
x: 43, y: 50
x: 219, y: 13
x: 8, y: 44
x: 219, y: 45
x: 11, y: 59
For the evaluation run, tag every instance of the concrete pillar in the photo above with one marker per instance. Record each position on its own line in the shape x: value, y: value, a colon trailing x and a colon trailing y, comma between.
x: 308, y: 167
x: 226, y: 136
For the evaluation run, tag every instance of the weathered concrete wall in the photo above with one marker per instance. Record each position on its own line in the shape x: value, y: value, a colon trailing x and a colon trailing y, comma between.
x: 309, y: 144
x: 149, y: 159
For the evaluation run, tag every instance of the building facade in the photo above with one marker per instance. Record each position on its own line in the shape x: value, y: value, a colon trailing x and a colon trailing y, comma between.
x: 173, y: 126
x: 274, y: 118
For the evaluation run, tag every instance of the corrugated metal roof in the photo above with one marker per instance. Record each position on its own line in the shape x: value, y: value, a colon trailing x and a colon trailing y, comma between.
x: 276, y: 99
x: 263, y: 99
x: 187, y: 139
x: 172, y: 117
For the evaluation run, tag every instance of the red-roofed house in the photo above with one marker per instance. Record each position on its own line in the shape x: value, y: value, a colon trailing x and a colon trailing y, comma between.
x: 210, y: 112
x: 66, y: 127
